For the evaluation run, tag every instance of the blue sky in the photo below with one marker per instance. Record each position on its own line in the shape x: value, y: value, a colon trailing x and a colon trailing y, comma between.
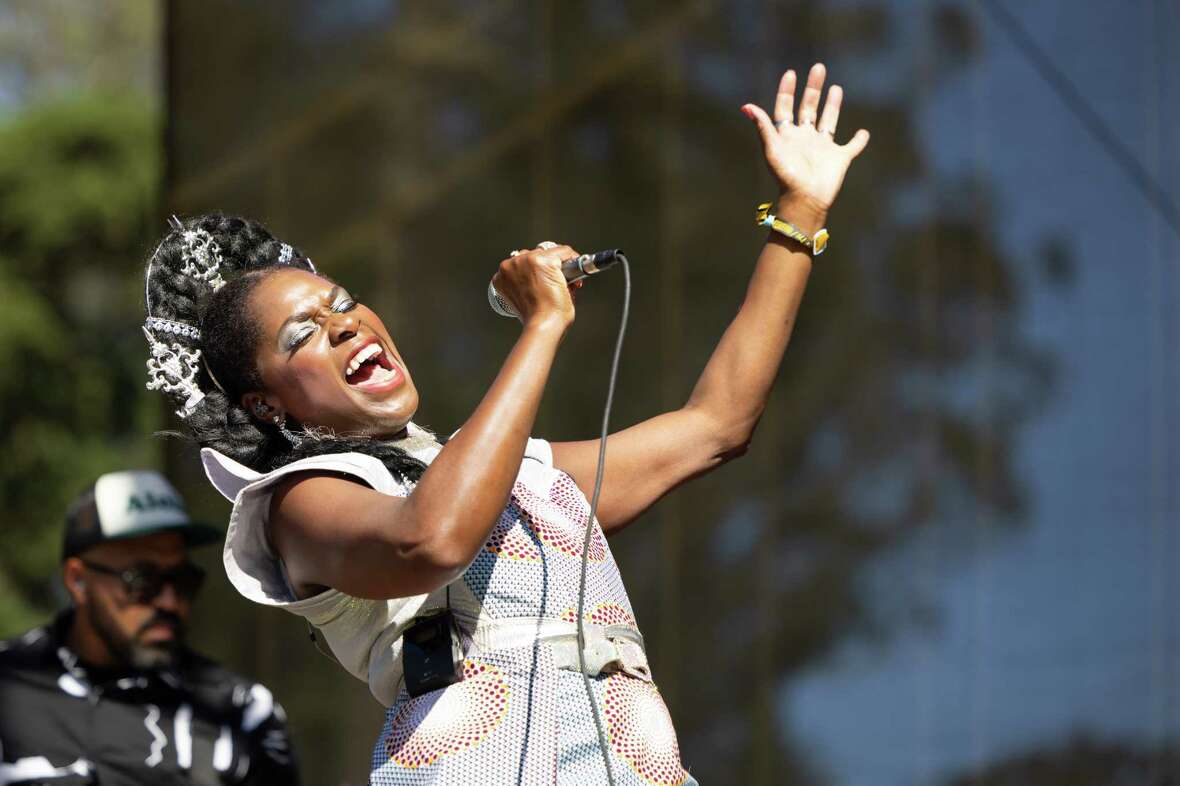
x: 1071, y: 624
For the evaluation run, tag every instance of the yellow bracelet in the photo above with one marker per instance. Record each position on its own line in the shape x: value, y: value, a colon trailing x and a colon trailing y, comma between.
x: 817, y: 243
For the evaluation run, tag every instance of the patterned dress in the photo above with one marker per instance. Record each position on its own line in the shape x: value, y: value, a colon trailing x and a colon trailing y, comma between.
x: 518, y: 716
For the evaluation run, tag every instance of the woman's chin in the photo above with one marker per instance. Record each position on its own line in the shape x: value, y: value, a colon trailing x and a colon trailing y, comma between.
x: 385, y: 412
x: 389, y: 423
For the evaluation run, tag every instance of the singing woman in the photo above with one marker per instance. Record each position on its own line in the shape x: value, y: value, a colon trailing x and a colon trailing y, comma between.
x: 348, y: 514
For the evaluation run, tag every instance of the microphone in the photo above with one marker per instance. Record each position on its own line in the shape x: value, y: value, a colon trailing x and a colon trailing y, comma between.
x: 574, y: 269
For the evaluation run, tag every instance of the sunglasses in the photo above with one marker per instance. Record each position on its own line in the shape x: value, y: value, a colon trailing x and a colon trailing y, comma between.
x: 144, y: 581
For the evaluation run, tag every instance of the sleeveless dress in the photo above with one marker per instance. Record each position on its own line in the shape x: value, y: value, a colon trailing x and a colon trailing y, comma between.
x: 520, y: 714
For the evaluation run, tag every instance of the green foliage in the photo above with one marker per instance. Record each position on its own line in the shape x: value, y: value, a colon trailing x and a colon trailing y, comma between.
x: 78, y: 180
x: 55, y: 45
x: 78, y: 184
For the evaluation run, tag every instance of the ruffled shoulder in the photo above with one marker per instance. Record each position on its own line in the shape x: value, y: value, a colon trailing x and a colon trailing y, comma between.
x: 251, y: 564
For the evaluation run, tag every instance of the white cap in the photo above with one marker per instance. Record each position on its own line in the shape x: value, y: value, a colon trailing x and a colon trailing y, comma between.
x: 129, y: 504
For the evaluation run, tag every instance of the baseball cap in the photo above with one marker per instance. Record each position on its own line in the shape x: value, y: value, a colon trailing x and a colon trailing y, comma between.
x: 130, y: 504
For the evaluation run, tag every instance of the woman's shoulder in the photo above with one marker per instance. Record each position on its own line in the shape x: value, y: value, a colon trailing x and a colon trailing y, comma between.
x: 251, y: 563
x: 232, y: 478
x: 536, y: 449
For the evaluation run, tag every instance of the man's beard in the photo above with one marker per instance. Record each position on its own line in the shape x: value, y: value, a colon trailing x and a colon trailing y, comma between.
x: 130, y: 650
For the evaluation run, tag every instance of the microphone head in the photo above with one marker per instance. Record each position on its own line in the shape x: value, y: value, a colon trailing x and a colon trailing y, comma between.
x: 499, y: 304
x: 608, y: 258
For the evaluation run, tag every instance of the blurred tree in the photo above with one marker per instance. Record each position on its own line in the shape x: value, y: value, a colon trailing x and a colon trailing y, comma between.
x: 55, y: 46
x: 78, y: 188
x: 408, y: 147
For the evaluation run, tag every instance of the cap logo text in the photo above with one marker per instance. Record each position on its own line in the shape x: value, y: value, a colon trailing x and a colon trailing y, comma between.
x: 147, y: 501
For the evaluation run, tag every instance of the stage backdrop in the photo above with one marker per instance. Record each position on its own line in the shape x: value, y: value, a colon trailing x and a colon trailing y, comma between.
x: 949, y: 556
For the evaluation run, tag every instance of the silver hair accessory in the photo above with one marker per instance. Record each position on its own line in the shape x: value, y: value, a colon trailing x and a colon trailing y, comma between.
x: 172, y: 367
x: 287, y: 256
x: 202, y: 258
x: 209, y: 371
x: 176, y: 328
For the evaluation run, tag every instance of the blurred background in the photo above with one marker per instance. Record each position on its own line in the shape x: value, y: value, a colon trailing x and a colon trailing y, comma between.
x: 950, y: 555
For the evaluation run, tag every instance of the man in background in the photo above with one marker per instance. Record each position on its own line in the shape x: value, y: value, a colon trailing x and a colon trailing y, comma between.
x: 108, y: 692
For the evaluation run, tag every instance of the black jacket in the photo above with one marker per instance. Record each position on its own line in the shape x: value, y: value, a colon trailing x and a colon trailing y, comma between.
x: 197, y: 724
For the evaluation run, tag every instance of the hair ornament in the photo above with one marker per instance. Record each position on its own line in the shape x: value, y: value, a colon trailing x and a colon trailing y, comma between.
x: 287, y: 256
x: 209, y: 371
x: 172, y: 367
x: 182, y: 329
x: 202, y: 257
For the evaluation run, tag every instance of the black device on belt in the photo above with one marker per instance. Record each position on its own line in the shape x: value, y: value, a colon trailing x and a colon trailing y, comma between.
x: 432, y: 654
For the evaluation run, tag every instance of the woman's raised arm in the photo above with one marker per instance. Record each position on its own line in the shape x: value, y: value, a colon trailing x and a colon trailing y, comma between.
x: 647, y: 460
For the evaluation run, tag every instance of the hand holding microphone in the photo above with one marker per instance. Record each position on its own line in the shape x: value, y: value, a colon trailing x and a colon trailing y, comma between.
x: 530, y: 279
x: 529, y: 282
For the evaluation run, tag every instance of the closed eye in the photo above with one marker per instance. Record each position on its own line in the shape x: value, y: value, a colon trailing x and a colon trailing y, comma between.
x: 342, y: 305
x: 299, y: 339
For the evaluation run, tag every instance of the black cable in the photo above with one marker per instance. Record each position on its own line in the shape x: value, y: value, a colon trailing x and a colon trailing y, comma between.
x: 610, y: 395
x: 1076, y: 103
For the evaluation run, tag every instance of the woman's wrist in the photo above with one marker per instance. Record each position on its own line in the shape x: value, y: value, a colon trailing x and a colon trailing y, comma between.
x: 552, y: 324
x: 805, y: 213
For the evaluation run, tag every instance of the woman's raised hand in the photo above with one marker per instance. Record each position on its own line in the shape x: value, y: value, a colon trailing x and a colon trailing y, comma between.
x: 800, y: 144
x: 532, y: 281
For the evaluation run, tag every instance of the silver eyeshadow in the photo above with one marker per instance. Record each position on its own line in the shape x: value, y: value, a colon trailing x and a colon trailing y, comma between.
x: 298, y: 328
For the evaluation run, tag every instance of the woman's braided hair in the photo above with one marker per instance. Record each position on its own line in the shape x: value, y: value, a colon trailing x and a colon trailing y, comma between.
x: 228, y: 340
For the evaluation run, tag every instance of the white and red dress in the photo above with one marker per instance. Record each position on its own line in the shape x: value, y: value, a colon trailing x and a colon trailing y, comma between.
x: 520, y: 715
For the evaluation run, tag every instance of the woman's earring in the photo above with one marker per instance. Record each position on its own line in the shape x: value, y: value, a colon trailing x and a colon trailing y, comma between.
x: 280, y: 422
x: 260, y: 410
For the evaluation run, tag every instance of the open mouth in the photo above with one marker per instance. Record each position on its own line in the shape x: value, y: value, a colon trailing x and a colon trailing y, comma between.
x: 370, y: 368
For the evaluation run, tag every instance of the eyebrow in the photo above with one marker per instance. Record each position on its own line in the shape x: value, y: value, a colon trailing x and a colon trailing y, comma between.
x: 306, y: 314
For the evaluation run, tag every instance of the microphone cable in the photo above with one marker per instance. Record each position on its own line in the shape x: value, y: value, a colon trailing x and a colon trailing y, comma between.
x: 610, y: 395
